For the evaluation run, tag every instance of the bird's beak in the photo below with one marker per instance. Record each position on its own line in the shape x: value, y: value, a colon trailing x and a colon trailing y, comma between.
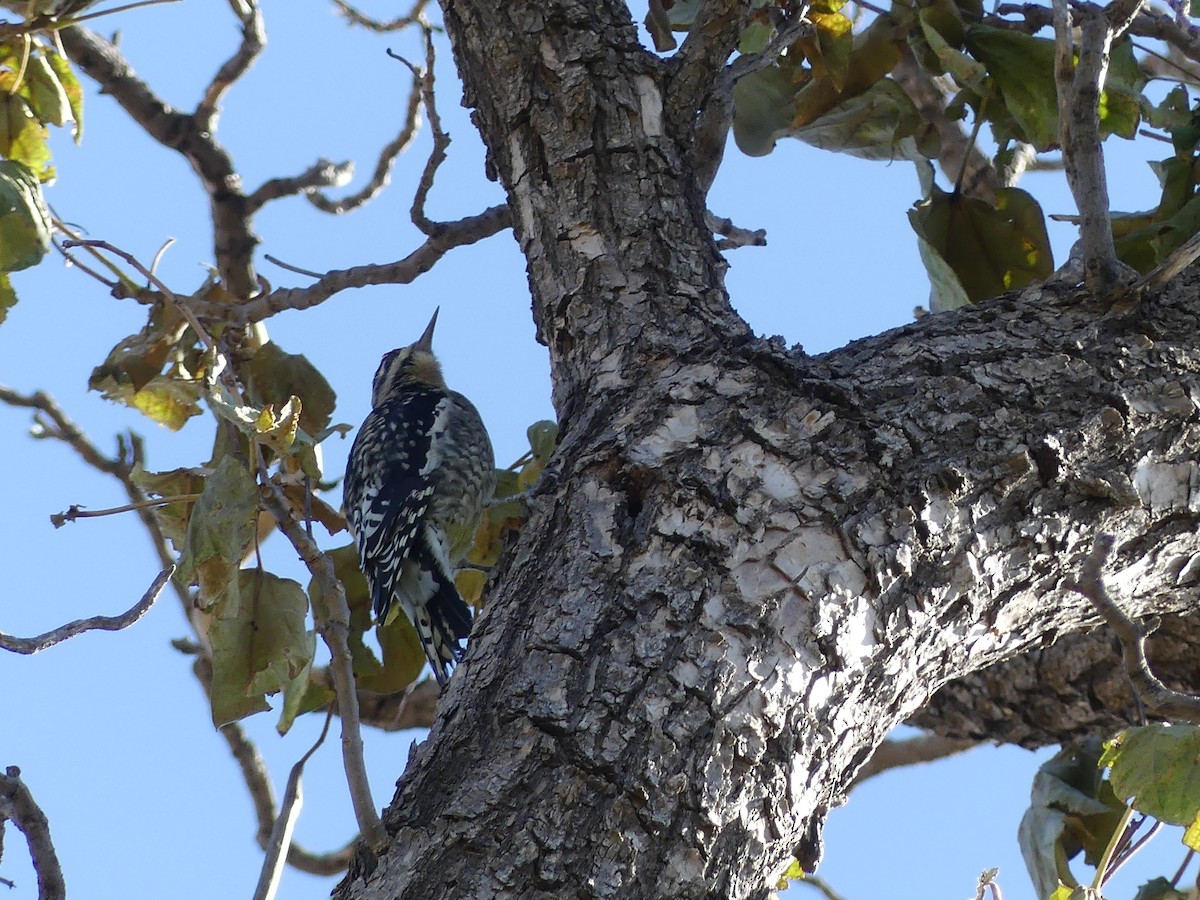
x: 425, y: 342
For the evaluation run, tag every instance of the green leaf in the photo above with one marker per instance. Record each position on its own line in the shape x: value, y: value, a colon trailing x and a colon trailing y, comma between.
x: 1022, y: 72
x: 1158, y: 889
x: 946, y: 291
x: 71, y: 87
x: 220, y: 530
x: 301, y: 694
x: 259, y: 642
x: 1121, y: 99
x: 47, y: 97
x: 829, y: 49
x: 8, y: 297
x: 23, y: 137
x: 273, y: 376
x: 779, y: 101
x: 881, y: 123
x: 1146, y: 247
x: 1157, y: 767
x: 172, y: 517
x: 1071, y: 808
x: 24, y: 219
x: 403, y: 657
x: 990, y: 249
x: 943, y: 33
x: 764, y: 104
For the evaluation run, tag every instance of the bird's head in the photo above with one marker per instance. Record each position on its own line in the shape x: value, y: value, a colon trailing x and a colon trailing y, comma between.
x: 407, y: 368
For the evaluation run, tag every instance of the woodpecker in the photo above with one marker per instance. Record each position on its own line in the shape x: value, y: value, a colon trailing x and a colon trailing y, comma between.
x: 420, y: 470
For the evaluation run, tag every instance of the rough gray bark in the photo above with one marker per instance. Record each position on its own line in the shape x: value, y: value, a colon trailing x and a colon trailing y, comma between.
x: 746, y: 565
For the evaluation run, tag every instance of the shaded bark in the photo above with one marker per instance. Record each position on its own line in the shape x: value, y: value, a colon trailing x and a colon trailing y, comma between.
x: 745, y: 565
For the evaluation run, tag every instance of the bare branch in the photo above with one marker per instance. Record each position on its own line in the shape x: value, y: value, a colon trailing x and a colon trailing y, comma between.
x: 18, y: 806
x: 455, y: 234
x: 334, y: 628
x: 254, y: 38
x: 258, y: 784
x: 1157, y: 697
x: 94, y: 623
x: 794, y: 28
x: 281, y: 834
x: 165, y: 292
x: 423, y: 80
x: 58, y: 520
x: 321, y: 174
x: 1079, y: 128
x: 354, y: 17
x: 383, y: 166
x: 893, y: 754
x: 233, y: 241
x: 735, y: 236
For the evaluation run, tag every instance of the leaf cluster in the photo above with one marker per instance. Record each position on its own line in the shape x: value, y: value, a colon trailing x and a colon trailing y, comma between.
x: 1084, y: 800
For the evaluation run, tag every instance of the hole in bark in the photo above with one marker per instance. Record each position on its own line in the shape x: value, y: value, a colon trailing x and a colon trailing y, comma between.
x: 1047, y: 461
x: 633, y: 484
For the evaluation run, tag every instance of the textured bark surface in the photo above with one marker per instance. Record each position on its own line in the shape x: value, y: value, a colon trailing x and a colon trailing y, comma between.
x: 746, y: 565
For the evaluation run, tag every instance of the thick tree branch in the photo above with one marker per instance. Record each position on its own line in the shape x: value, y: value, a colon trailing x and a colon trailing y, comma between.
x: 18, y: 806
x: 93, y: 623
x: 894, y: 754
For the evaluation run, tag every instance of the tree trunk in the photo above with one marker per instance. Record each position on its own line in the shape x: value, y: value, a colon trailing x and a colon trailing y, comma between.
x: 745, y: 565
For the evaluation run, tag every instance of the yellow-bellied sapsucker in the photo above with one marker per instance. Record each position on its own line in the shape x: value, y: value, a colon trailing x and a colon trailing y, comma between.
x: 420, y: 470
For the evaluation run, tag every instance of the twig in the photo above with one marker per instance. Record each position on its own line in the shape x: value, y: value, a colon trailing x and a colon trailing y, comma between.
x: 94, y: 623
x: 354, y: 17
x: 1187, y: 858
x: 382, y: 175
x: 233, y: 240
x: 423, y: 79
x: 18, y: 806
x: 281, y: 834
x: 1159, y: 699
x: 334, y: 628
x: 58, y: 520
x: 794, y: 28
x: 167, y: 293
x: 321, y: 174
x: 258, y: 784
x: 1129, y: 852
x: 283, y: 265
x: 987, y: 882
x: 254, y: 38
x: 457, y: 234
x: 735, y: 236
x: 893, y: 754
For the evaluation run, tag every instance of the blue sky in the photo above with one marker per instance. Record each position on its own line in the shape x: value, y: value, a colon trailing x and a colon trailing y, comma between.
x: 111, y: 730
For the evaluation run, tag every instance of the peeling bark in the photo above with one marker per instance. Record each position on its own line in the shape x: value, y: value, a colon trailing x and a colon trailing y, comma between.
x: 745, y: 565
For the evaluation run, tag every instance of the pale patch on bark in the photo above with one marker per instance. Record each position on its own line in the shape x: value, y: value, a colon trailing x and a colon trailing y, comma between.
x: 651, y: 102
x: 1163, y: 486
